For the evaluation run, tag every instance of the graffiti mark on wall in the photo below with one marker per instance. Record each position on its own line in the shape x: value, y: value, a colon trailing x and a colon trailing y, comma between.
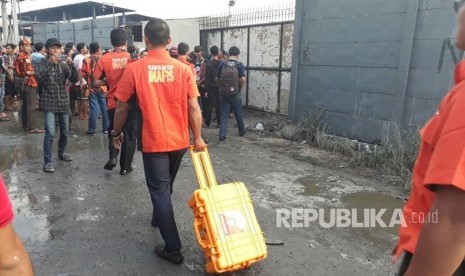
x: 448, y: 45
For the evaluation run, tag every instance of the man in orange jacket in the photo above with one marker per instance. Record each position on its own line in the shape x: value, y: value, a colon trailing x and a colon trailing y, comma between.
x: 167, y: 94
x: 437, y: 246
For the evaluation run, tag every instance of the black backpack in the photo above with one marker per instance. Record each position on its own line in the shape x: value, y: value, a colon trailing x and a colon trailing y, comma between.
x: 229, y: 79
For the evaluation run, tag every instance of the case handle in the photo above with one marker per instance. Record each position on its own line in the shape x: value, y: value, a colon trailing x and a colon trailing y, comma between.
x: 198, y: 229
x: 203, y: 168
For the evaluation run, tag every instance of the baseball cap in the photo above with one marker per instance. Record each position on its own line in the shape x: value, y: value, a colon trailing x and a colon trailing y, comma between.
x: 174, y: 51
x: 51, y: 42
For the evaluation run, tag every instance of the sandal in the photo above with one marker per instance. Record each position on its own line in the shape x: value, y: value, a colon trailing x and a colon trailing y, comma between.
x: 37, y: 131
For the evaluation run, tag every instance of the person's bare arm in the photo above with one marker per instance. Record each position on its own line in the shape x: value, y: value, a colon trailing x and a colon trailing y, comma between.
x: 242, y: 82
x: 441, y: 245
x: 14, y: 260
x: 97, y: 83
x: 195, y: 123
x: 121, y: 115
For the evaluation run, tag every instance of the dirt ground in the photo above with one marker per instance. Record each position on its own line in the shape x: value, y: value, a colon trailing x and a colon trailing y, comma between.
x: 83, y: 220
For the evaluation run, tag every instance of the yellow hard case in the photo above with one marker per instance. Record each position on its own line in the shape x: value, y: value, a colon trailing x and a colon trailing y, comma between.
x: 224, y: 220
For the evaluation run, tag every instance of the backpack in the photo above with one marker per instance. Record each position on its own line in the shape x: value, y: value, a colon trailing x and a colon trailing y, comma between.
x: 229, y: 79
x: 210, y: 74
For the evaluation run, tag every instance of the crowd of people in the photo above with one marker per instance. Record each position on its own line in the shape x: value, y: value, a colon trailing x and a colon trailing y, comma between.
x: 166, y: 95
x: 68, y: 80
x: 156, y: 99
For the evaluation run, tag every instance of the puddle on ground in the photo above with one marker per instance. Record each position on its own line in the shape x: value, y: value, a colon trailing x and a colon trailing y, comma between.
x: 10, y: 156
x: 327, y: 186
x: 311, y: 186
x: 383, y: 237
x: 31, y: 226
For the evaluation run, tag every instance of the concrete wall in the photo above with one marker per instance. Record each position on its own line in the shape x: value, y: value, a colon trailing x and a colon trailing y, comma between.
x: 266, y: 51
x: 79, y: 31
x: 184, y: 30
x: 371, y: 62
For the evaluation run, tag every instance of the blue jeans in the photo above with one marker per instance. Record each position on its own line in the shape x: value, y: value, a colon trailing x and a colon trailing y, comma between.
x: 63, y: 120
x: 98, y: 103
x: 236, y: 104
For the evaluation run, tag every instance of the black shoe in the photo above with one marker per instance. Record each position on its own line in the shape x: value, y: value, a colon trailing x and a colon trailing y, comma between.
x: 65, y: 157
x: 91, y: 132
x: 110, y: 164
x: 241, y: 134
x: 222, y: 138
x: 125, y: 172
x: 174, y: 257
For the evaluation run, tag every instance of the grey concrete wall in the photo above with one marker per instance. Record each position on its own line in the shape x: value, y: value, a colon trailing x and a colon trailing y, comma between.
x: 80, y: 31
x: 184, y: 30
x: 371, y: 62
x: 265, y: 51
x: 101, y: 31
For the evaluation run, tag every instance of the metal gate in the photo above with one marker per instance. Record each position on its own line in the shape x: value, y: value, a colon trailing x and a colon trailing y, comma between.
x: 266, y: 51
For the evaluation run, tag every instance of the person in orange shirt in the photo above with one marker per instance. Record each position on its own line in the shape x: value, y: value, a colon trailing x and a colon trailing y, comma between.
x: 436, y: 245
x: 14, y: 259
x: 109, y: 70
x: 167, y: 97
x: 183, y: 52
x: 97, y: 100
x: 28, y: 90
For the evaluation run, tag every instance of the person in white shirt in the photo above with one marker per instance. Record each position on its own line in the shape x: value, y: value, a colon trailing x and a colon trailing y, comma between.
x: 81, y: 85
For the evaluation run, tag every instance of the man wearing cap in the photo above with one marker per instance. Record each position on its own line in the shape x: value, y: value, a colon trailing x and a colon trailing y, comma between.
x: 28, y: 88
x: 174, y: 52
x: 52, y: 74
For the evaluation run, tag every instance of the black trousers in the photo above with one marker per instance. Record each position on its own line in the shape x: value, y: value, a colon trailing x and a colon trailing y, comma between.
x: 28, y: 108
x: 129, y: 144
x: 213, y: 99
x: 408, y: 258
x: 160, y: 171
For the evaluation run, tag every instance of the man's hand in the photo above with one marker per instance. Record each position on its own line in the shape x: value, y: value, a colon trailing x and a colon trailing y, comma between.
x: 199, y: 144
x: 55, y: 59
x: 118, y: 141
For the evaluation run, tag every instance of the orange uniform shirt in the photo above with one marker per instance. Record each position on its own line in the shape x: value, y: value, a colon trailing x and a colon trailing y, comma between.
x: 24, y: 63
x: 183, y: 59
x: 87, y: 71
x: 112, y: 66
x: 441, y: 161
x: 162, y: 85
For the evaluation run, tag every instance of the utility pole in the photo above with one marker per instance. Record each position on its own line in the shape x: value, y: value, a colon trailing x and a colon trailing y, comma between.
x: 5, y: 25
x: 14, y: 15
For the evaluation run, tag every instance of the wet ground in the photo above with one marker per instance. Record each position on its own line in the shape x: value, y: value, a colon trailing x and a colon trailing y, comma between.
x: 83, y: 220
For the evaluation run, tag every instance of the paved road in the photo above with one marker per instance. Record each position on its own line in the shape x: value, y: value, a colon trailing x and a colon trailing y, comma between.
x: 83, y: 220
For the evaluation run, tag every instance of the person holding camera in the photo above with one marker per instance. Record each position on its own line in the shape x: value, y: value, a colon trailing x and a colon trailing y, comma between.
x: 53, y: 74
